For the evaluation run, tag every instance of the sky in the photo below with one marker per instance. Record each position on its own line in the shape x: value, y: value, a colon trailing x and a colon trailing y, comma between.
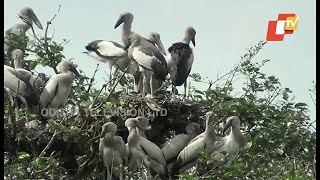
x: 224, y: 30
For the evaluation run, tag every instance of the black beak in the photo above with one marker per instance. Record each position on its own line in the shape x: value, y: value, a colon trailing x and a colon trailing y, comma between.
x: 194, y: 41
x: 74, y: 70
x: 226, y: 127
x: 127, y: 46
x: 120, y: 21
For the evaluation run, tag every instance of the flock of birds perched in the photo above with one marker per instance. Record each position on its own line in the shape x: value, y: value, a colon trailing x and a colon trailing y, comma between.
x: 146, y: 60
x: 177, y: 155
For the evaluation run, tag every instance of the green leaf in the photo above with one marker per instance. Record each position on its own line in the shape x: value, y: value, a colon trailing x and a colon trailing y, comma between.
x: 199, y: 92
x: 22, y: 155
x: 300, y: 104
x: 186, y: 176
x: 41, y: 161
x: 285, y: 95
x: 65, y: 137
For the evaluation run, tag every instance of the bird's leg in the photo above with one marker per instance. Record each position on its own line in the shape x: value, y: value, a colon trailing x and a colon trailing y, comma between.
x: 16, y: 111
x: 110, y: 79
x: 173, y: 92
x: 114, y: 75
x: 136, y: 82
x: 185, y: 89
x: 151, y: 84
x: 145, y: 83
x: 108, y: 174
x: 140, y: 83
x: 26, y: 114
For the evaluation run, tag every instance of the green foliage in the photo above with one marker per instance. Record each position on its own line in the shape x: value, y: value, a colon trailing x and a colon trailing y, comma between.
x: 278, y: 129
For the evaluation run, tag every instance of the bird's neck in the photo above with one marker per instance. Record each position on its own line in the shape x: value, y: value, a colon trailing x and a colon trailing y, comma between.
x: 126, y: 31
x: 209, y: 131
x: 186, y: 40
x: 133, y: 137
x: 108, y: 138
x: 237, y: 135
x: 17, y: 64
x: 26, y: 27
x: 67, y: 77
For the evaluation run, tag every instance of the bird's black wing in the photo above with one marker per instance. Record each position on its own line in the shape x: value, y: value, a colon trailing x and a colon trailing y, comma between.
x: 180, y: 53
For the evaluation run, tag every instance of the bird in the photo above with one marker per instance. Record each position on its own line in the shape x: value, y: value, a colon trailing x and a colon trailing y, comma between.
x: 176, y: 144
x: 57, y: 89
x: 149, y: 58
x: 154, y: 37
x: 190, y: 154
x: 29, y: 17
x: 113, y: 53
x: 19, y: 81
x: 151, y: 150
x: 126, y: 19
x: 113, y: 151
x: 136, y: 156
x: 231, y: 143
x: 180, y: 60
x: 109, y: 52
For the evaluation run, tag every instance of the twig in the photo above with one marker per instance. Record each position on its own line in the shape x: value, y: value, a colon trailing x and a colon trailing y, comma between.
x: 314, y: 102
x: 85, y: 164
x: 274, y: 97
x: 92, y: 79
x: 113, y: 88
x: 49, y: 144
x: 95, y: 98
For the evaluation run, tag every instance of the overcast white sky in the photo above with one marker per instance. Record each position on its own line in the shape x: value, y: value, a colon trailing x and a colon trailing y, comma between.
x: 224, y: 30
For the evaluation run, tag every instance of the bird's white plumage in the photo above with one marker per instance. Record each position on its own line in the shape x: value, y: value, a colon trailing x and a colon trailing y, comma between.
x: 178, y: 142
x: 107, y: 48
x: 152, y: 150
x: 48, y: 98
x: 191, y: 151
x: 143, y: 59
x: 11, y: 82
x: 58, y: 87
x: 112, y: 149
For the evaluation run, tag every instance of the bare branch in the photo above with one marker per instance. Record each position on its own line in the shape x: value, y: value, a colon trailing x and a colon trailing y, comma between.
x: 49, y: 143
x: 92, y: 79
x: 114, y: 87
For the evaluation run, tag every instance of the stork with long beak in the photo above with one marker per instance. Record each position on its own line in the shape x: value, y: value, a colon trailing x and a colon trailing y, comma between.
x: 188, y: 157
x: 126, y: 19
x: 112, y: 150
x: 180, y: 60
x: 136, y: 156
x: 56, y: 91
x: 231, y: 144
x: 29, y: 17
x: 149, y: 58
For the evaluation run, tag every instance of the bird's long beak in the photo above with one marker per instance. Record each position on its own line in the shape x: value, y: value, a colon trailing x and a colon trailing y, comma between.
x: 74, y: 70
x: 120, y: 21
x: 103, y: 132
x: 194, y: 41
x: 226, y: 126
x: 160, y: 46
x: 127, y: 46
x: 138, y: 125
x: 36, y: 20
